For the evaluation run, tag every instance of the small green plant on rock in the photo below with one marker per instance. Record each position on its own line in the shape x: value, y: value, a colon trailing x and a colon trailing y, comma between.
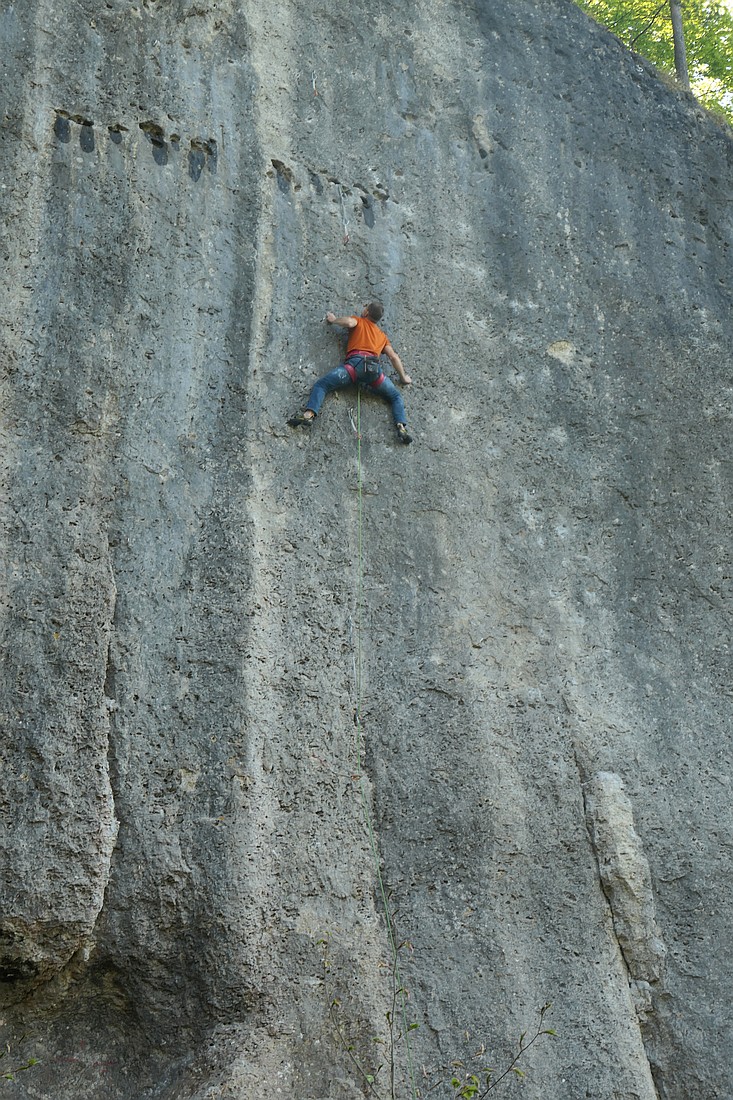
x: 9, y: 1074
x: 476, y: 1085
x: 377, y: 1058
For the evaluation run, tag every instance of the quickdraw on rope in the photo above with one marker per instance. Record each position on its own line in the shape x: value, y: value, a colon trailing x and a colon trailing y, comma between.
x: 359, y: 776
x: 344, y: 219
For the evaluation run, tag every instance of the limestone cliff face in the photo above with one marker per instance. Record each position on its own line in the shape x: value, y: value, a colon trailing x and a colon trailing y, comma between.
x: 188, y: 880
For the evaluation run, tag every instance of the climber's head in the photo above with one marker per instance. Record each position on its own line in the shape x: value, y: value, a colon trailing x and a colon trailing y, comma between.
x: 374, y: 311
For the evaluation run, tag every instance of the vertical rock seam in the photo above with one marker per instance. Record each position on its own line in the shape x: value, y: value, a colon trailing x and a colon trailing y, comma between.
x: 627, y: 885
x: 61, y: 833
x: 109, y: 700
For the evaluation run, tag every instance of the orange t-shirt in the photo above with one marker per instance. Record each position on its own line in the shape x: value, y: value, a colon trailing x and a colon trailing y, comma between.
x: 366, y: 337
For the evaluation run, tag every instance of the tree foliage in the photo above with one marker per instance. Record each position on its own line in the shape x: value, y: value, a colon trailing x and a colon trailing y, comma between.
x: 646, y: 26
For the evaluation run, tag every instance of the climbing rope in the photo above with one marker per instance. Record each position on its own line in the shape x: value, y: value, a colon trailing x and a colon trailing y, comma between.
x: 401, y: 992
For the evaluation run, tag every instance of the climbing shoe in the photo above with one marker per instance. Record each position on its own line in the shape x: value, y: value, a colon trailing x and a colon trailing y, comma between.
x: 402, y: 434
x: 301, y: 421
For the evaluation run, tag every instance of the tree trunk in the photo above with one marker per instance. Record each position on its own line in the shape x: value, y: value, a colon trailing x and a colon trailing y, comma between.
x: 680, y: 52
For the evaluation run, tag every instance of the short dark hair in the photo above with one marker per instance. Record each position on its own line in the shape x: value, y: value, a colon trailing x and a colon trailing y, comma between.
x: 375, y: 311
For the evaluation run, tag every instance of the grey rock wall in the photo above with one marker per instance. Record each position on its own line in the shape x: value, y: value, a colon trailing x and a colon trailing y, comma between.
x: 529, y: 608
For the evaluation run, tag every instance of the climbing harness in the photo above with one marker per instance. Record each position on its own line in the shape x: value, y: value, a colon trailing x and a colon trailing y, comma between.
x: 359, y: 776
x: 364, y: 368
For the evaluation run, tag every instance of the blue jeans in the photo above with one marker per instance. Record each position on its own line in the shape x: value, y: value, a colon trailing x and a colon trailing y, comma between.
x: 340, y: 378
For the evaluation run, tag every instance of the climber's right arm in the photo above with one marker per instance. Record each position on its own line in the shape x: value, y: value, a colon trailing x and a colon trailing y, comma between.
x: 345, y: 322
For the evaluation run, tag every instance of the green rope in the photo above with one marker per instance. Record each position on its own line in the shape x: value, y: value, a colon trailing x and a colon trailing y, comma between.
x: 397, y: 978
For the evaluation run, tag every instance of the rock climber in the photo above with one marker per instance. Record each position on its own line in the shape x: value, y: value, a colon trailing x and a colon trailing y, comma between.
x: 361, y: 367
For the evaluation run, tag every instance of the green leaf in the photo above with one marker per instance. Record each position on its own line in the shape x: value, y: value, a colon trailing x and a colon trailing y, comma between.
x: 519, y: 1072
